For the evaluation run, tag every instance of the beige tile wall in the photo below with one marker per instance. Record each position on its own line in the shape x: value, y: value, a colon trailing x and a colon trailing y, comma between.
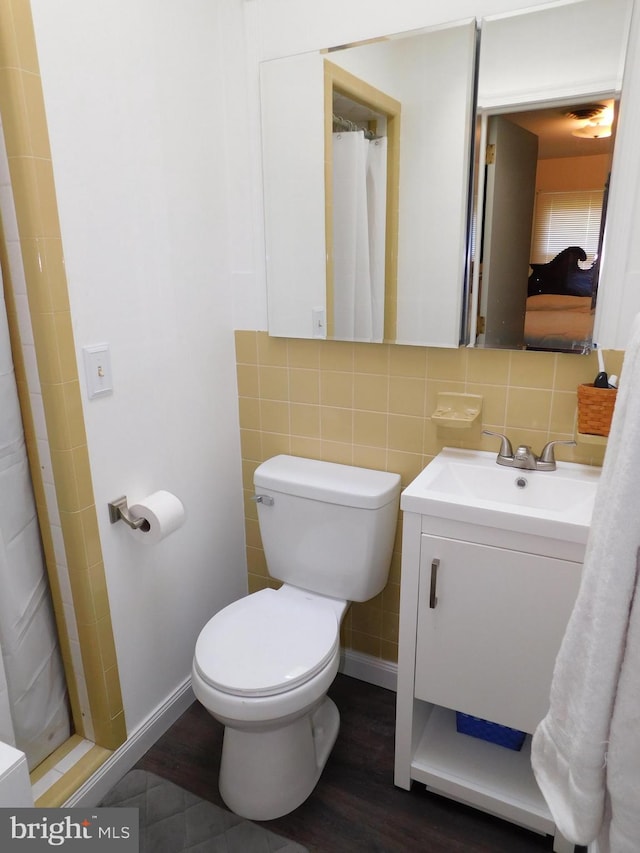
x: 370, y: 405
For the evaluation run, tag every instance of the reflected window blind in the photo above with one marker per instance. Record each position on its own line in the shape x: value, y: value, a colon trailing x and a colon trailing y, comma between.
x: 566, y: 219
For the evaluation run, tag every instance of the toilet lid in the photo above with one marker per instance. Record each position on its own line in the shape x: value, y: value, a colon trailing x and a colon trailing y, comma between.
x: 262, y: 644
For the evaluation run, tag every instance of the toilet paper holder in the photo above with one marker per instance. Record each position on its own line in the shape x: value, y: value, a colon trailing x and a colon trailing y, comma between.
x: 119, y: 509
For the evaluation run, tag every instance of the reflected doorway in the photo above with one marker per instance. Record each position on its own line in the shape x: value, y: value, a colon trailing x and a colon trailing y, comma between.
x: 546, y: 174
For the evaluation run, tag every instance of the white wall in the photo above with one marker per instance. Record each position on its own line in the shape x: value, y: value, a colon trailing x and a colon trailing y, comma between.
x: 620, y: 279
x: 294, y: 191
x: 585, y: 66
x: 135, y: 94
x: 293, y: 26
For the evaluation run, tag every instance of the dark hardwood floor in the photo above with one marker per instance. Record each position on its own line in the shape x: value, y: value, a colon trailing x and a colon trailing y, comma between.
x: 355, y: 806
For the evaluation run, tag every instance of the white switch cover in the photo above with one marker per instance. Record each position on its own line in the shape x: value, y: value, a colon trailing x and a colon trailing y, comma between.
x: 319, y: 322
x: 97, y: 366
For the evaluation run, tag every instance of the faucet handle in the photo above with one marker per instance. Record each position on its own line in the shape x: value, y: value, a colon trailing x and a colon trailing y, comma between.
x: 506, y: 450
x: 548, y: 453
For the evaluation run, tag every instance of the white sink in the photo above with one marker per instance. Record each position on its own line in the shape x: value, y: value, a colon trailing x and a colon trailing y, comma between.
x: 469, y: 485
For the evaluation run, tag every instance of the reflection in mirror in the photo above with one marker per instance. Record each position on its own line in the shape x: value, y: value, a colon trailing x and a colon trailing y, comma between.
x: 362, y: 157
x: 426, y: 202
x: 545, y: 143
x: 547, y: 189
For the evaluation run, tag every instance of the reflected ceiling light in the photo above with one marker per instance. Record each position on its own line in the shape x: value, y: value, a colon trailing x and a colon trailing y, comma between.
x: 598, y: 120
x: 593, y: 130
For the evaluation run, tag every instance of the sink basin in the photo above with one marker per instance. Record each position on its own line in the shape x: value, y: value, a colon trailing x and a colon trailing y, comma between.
x: 468, y: 485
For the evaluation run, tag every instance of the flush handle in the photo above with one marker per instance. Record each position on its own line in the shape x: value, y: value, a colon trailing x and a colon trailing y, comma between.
x: 266, y: 500
x: 433, y: 598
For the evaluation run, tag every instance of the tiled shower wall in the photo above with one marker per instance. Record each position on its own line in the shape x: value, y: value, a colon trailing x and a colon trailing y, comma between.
x: 44, y: 353
x: 370, y: 405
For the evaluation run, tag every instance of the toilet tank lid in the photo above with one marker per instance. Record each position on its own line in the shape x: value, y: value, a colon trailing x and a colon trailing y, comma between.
x: 346, y: 485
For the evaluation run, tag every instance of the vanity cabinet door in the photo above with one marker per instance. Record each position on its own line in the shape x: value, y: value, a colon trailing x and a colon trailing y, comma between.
x: 490, y: 623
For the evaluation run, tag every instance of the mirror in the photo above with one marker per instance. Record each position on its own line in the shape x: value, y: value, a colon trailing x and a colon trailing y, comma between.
x: 548, y: 86
x: 399, y: 81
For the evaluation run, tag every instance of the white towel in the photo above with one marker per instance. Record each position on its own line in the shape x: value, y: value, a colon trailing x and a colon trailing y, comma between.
x: 586, y: 751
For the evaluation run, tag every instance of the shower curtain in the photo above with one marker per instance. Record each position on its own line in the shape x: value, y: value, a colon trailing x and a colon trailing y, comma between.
x: 359, y: 223
x: 34, y: 714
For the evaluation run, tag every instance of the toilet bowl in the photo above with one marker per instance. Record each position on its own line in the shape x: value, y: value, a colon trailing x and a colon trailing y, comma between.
x: 271, y: 695
x: 263, y: 665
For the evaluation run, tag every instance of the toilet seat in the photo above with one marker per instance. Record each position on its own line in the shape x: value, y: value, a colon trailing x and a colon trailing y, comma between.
x: 261, y: 645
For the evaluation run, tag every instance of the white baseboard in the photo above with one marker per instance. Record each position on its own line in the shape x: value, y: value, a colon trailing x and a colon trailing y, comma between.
x: 382, y: 673
x: 100, y: 783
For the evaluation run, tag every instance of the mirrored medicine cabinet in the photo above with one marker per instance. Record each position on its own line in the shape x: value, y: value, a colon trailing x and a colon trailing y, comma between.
x: 393, y: 210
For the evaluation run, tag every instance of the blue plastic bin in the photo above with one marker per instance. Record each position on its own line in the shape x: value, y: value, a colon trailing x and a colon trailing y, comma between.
x: 486, y: 730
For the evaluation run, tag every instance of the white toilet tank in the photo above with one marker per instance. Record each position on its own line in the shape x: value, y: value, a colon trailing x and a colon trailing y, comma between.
x: 326, y: 527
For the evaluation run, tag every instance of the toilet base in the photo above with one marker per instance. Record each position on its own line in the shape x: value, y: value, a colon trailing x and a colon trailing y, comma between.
x: 266, y: 774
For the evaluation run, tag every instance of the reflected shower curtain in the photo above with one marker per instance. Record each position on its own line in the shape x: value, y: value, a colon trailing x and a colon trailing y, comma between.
x: 359, y: 223
x: 34, y: 714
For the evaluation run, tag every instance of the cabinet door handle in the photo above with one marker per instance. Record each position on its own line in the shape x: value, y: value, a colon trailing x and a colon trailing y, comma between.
x: 433, y: 598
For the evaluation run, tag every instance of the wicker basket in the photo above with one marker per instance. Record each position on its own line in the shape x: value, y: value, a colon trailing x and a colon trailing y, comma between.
x: 595, y: 409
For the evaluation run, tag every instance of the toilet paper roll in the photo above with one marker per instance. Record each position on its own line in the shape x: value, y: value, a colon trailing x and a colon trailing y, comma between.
x: 163, y: 513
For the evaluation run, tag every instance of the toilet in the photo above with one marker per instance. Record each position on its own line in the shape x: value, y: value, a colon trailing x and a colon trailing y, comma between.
x: 263, y: 665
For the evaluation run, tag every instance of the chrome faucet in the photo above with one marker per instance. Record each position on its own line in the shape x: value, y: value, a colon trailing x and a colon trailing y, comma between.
x: 524, y: 457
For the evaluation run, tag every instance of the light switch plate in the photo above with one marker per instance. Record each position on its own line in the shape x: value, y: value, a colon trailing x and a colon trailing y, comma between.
x: 319, y: 322
x: 97, y: 365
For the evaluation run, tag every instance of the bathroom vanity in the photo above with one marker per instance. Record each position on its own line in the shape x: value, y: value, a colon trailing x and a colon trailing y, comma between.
x: 491, y: 564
